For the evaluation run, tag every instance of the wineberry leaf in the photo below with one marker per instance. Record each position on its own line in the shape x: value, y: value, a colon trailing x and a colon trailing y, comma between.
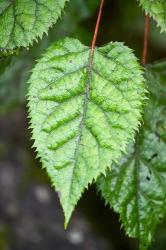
x: 83, y: 112
x: 157, y: 10
x: 136, y: 187
x: 22, y: 21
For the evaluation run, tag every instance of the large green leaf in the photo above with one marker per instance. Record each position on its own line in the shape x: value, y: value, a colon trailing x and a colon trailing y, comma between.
x: 136, y: 187
x: 157, y: 10
x: 22, y: 21
x: 83, y: 112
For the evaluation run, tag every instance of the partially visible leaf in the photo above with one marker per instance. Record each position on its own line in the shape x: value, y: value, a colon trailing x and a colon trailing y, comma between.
x: 22, y: 21
x: 136, y: 187
x: 157, y: 10
x: 83, y: 112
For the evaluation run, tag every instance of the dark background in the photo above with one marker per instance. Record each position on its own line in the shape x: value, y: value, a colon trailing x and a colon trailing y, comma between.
x: 30, y: 214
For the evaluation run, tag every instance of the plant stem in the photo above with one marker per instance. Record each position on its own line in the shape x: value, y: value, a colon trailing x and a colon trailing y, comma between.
x: 96, y: 28
x: 146, y: 37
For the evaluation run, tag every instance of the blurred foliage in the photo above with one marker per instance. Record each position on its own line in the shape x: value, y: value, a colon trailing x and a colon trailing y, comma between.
x: 4, y: 63
x: 13, y: 84
x: 3, y: 237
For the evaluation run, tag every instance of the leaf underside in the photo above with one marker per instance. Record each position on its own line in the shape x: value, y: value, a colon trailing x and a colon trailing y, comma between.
x: 157, y: 10
x: 136, y: 188
x: 83, y: 114
x: 22, y: 21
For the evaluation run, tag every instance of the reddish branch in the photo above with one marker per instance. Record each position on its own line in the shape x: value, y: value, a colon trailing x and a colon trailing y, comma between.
x: 146, y: 38
x: 96, y: 28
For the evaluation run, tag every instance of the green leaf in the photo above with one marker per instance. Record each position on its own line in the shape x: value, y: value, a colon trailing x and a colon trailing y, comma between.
x: 83, y: 112
x: 136, y: 187
x: 157, y: 10
x: 22, y: 21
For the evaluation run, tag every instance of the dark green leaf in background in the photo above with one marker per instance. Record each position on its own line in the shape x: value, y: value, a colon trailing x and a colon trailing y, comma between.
x: 136, y: 187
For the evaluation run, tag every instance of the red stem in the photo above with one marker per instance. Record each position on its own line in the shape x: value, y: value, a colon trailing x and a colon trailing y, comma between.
x: 97, y: 27
x: 146, y: 38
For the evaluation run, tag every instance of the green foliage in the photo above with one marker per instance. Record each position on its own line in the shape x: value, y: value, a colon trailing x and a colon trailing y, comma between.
x: 157, y: 10
x: 85, y: 109
x: 13, y: 82
x: 135, y: 187
x: 4, y: 63
x: 22, y: 21
x: 83, y: 113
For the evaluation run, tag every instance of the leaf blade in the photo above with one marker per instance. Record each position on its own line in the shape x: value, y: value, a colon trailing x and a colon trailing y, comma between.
x: 79, y: 142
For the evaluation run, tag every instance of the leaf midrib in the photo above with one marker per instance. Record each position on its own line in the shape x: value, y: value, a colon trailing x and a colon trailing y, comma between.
x: 85, y: 104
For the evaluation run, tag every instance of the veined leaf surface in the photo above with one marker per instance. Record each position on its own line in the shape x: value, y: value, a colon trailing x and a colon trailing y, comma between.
x: 136, y: 188
x: 83, y: 112
x: 157, y: 10
x: 22, y: 21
